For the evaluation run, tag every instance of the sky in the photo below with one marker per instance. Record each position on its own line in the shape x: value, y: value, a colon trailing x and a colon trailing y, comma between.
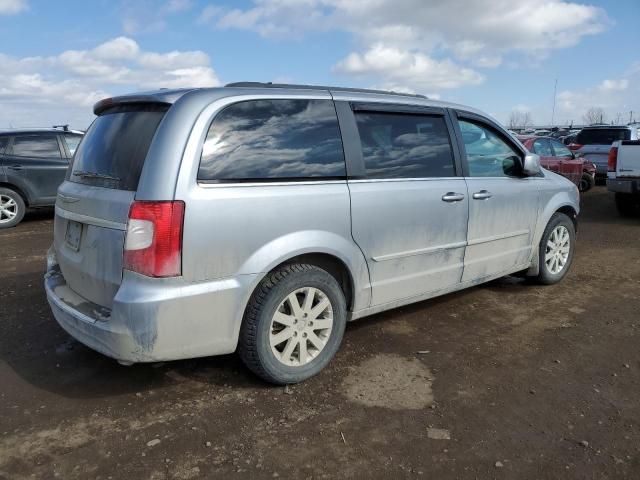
x: 58, y: 58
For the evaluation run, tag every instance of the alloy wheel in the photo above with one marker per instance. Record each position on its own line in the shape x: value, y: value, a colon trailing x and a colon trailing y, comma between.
x: 557, y: 249
x: 301, y: 326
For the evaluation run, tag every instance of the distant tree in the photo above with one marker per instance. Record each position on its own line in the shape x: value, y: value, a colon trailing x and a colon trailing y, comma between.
x: 519, y: 119
x: 618, y: 120
x: 594, y: 115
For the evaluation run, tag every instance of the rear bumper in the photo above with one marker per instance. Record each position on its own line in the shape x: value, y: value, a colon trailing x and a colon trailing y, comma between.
x: 154, y: 319
x: 623, y: 185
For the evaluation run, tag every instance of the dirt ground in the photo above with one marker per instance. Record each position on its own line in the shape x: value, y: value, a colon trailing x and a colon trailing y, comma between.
x: 504, y: 380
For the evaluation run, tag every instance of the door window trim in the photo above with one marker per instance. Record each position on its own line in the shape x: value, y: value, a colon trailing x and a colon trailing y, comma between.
x: 457, y: 115
x: 352, y: 144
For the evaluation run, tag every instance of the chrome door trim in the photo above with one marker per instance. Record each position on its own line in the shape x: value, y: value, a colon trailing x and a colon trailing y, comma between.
x: 493, y: 238
x: 421, y: 251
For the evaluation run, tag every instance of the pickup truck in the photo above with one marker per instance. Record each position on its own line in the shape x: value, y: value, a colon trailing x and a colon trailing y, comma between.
x: 623, y: 175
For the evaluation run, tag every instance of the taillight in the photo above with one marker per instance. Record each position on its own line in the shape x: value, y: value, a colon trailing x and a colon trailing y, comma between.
x: 574, y: 146
x: 612, y: 160
x: 153, y: 245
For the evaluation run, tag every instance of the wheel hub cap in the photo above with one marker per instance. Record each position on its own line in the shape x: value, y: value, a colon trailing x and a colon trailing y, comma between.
x: 557, y: 249
x: 301, y: 326
x: 8, y: 208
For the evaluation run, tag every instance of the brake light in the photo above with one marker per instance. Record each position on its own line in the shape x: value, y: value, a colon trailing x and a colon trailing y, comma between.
x: 612, y: 160
x: 574, y: 146
x: 153, y: 245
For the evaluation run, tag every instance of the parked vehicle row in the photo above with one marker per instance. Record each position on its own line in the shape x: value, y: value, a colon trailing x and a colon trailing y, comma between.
x: 263, y: 217
x: 594, y: 143
x: 33, y: 163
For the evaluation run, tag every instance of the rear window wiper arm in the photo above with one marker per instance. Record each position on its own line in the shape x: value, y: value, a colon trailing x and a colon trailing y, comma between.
x: 103, y: 176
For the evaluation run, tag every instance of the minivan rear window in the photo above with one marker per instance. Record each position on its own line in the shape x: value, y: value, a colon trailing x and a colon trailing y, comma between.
x: 273, y: 140
x: 112, y: 152
x: 602, y: 136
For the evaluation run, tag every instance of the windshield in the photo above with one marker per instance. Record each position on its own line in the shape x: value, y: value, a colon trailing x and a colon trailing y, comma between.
x: 113, y: 150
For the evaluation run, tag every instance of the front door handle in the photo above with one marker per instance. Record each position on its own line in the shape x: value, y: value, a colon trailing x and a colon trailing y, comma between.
x: 452, y: 197
x: 481, y: 195
x: 15, y: 167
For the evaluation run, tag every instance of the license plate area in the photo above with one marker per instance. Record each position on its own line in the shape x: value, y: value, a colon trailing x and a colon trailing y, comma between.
x: 73, y: 236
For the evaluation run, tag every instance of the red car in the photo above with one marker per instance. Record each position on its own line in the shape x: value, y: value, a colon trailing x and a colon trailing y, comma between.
x: 558, y: 158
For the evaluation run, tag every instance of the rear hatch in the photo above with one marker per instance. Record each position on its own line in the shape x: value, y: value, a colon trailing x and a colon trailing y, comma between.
x: 628, y: 164
x: 93, y: 203
x: 596, y: 143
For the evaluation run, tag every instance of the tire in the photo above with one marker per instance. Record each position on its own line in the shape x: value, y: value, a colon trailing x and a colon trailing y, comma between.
x: 586, y: 182
x: 550, y: 273
x: 12, y: 208
x: 259, y: 326
x: 628, y: 205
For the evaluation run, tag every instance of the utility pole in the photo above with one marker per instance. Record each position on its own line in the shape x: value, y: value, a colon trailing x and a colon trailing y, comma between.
x: 553, y: 110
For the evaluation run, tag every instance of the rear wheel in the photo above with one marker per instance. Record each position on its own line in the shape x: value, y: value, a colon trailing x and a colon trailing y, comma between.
x: 293, y: 325
x: 556, y: 249
x: 586, y: 182
x: 12, y: 208
x: 627, y: 204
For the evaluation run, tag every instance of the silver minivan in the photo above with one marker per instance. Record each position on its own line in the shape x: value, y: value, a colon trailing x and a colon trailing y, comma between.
x: 261, y: 218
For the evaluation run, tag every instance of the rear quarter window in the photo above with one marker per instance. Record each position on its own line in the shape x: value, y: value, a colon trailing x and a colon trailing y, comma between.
x: 4, y: 141
x: 113, y: 151
x: 272, y: 140
x: 602, y: 136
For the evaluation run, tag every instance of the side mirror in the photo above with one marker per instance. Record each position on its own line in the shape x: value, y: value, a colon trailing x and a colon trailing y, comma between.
x: 531, y: 166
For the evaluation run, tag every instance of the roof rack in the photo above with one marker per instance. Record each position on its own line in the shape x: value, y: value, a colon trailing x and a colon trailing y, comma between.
x: 64, y: 127
x: 319, y: 87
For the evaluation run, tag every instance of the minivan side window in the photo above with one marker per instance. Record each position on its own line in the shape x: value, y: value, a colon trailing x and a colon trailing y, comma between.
x: 487, y: 154
x: 36, y: 146
x: 273, y: 140
x: 399, y: 145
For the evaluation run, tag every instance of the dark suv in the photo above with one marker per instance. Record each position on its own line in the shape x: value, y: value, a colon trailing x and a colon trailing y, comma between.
x: 33, y: 163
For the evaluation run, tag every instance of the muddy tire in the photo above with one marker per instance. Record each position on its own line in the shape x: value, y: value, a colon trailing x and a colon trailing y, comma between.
x: 556, y: 249
x: 586, y: 182
x: 12, y: 208
x: 293, y: 325
x: 627, y: 204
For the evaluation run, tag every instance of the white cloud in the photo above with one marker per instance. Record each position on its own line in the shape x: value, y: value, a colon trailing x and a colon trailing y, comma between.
x: 403, y: 69
x: 614, y: 85
x: 11, y: 7
x: 62, y: 88
x: 456, y: 35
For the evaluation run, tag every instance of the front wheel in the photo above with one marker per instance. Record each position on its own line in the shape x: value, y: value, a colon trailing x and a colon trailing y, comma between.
x: 586, y: 182
x: 556, y: 249
x: 293, y: 325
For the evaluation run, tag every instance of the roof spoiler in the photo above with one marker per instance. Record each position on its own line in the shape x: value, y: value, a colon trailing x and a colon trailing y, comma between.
x: 106, y: 103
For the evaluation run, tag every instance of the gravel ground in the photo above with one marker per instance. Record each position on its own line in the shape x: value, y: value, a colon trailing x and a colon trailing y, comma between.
x: 504, y: 380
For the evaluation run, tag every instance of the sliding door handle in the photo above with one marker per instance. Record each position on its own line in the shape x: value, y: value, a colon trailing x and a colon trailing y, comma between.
x: 452, y: 197
x: 481, y: 195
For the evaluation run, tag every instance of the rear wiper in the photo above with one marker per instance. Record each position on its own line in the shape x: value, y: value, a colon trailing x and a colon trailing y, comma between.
x: 102, y: 176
